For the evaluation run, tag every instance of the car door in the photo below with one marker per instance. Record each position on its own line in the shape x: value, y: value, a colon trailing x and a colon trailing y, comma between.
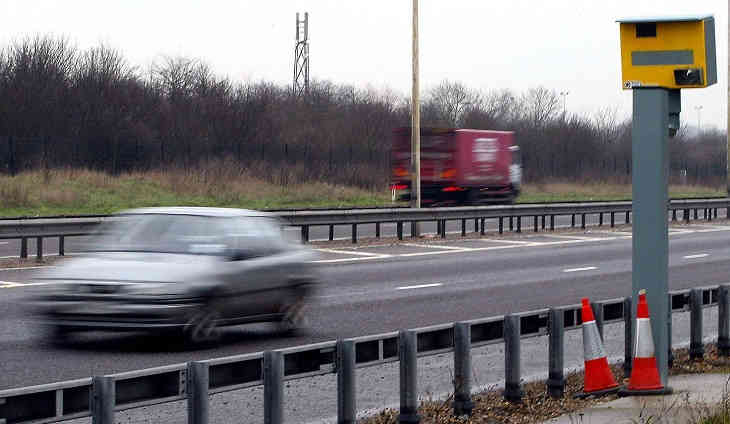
x: 257, y: 276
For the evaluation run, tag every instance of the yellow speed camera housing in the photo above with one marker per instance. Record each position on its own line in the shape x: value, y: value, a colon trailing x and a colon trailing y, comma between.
x: 669, y: 52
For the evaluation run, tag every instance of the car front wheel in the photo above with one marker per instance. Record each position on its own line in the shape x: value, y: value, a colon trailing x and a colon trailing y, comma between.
x: 202, y: 327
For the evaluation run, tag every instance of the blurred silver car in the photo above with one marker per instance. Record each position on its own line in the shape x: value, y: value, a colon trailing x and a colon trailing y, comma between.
x: 184, y: 269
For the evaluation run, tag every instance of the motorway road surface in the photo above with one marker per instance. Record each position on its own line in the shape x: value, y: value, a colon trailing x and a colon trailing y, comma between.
x: 382, y: 288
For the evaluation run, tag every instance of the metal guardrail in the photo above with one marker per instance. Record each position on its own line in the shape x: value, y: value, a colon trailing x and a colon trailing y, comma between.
x: 24, y: 229
x: 102, y: 396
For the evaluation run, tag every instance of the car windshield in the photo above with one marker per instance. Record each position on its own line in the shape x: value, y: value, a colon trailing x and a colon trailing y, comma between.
x: 161, y: 233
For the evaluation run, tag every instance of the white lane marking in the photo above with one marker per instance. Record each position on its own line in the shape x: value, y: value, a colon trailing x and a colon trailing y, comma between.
x: 697, y: 256
x: 570, y: 237
x: 586, y: 268
x: 420, y: 286
x: 507, y: 241
x: 359, y: 258
x: 3, y: 242
x: 349, y: 252
x: 435, y: 246
x: 10, y: 284
x: 711, y: 230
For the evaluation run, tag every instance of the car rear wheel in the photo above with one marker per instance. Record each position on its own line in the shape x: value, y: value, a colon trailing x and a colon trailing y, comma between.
x: 294, y: 319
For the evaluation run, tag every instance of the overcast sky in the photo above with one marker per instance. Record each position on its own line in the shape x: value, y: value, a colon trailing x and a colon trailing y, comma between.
x: 566, y: 45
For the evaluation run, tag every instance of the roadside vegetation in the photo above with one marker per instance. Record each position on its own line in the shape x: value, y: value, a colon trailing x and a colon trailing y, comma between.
x: 66, y: 107
x: 224, y: 184
x: 538, y: 407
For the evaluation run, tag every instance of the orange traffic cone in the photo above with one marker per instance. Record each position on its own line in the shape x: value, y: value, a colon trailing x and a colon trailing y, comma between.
x: 644, y: 373
x: 598, y: 377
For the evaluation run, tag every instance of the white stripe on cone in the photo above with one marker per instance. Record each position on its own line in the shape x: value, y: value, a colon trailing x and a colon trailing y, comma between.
x: 592, y: 346
x: 644, y: 343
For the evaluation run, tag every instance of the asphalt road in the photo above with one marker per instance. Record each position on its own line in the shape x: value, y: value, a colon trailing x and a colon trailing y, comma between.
x: 383, y: 288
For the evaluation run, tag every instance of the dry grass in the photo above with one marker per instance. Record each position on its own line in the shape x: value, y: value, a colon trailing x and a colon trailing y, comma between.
x: 537, y: 407
x: 554, y: 191
x: 74, y: 191
x: 490, y: 406
x: 229, y: 184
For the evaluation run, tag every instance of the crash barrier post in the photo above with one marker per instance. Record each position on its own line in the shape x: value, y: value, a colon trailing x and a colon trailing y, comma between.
x: 346, y: 400
x: 197, y: 392
x: 512, y: 390
x: 462, y: 369
x: 628, y: 325
x: 597, y: 308
x: 670, y: 354
x: 696, y: 348
x: 102, y: 400
x: 723, y: 316
x: 556, y: 377
x: 23, y: 247
x: 273, y: 387
x: 407, y: 354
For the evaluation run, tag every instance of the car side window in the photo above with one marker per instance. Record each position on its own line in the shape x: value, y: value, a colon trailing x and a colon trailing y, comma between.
x: 256, y: 234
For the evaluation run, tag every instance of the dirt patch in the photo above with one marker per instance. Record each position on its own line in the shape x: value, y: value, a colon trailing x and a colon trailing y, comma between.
x: 30, y: 262
x: 537, y: 407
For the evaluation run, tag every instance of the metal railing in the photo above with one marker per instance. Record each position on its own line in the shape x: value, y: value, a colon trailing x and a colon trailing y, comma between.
x: 543, y: 214
x: 102, y: 396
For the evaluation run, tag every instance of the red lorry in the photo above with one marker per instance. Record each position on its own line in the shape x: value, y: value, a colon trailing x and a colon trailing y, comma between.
x: 458, y: 166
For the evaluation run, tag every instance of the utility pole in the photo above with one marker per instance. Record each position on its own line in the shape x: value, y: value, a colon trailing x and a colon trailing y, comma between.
x: 415, y: 120
x: 564, y: 95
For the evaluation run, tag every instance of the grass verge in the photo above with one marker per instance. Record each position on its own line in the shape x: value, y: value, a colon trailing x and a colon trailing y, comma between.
x: 81, y: 192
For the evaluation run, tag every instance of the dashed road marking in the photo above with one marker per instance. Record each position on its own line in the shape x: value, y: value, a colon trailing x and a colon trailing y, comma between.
x: 419, y: 286
x: 697, y: 256
x: 585, y: 268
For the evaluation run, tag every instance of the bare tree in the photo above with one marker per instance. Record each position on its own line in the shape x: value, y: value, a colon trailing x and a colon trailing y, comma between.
x: 540, y: 105
x: 448, y: 102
